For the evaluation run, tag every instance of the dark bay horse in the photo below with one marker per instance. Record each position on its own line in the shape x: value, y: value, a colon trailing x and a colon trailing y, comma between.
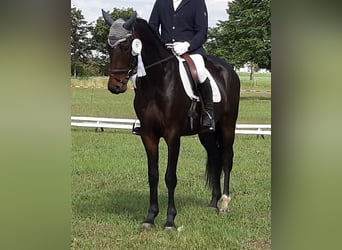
x: 162, y: 106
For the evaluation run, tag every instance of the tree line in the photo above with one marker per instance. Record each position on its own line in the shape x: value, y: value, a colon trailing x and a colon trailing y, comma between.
x: 244, y: 38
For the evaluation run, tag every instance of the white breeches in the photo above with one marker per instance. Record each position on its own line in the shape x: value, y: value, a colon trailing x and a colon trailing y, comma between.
x: 200, y: 67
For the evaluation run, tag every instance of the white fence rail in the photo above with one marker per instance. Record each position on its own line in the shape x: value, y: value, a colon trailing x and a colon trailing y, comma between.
x: 118, y: 123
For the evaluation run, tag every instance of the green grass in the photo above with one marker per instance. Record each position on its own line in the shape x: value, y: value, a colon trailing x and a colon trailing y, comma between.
x: 110, y: 187
x: 262, y: 81
x: 255, y: 108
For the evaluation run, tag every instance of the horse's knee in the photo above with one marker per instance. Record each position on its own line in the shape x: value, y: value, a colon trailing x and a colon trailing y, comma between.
x: 171, y: 180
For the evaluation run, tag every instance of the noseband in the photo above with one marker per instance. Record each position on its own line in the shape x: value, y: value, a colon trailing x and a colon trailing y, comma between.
x: 130, y: 70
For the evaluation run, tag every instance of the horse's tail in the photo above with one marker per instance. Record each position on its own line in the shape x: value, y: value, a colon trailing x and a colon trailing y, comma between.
x: 213, y: 173
x: 214, y: 161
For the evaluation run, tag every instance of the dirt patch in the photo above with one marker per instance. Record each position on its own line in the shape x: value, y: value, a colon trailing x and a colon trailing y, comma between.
x: 258, y: 244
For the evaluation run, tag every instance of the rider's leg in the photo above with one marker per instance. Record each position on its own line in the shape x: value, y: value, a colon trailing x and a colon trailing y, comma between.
x: 204, y: 89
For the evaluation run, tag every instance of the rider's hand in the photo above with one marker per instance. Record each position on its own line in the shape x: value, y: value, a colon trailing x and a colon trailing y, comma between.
x: 181, y: 47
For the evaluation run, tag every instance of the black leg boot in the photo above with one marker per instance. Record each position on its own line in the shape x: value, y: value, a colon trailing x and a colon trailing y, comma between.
x: 207, y: 120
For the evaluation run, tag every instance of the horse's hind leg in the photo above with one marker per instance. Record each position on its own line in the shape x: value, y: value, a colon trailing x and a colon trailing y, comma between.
x: 213, y: 166
x: 228, y: 133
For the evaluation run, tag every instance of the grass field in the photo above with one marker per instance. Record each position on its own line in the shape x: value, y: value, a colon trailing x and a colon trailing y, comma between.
x: 110, y: 187
x: 262, y: 81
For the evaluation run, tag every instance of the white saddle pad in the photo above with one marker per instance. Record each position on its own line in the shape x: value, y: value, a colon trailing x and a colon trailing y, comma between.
x: 187, y: 84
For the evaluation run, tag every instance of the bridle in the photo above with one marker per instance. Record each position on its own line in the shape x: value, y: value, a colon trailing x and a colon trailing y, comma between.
x: 130, y: 71
x: 132, y: 68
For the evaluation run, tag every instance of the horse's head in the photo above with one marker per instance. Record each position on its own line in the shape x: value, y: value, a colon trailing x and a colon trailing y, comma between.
x: 122, y: 63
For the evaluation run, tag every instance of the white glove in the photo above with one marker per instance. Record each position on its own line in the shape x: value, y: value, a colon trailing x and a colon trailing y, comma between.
x: 181, y: 47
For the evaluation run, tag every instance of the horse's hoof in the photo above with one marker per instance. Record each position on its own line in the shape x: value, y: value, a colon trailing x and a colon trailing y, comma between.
x: 224, y: 206
x: 170, y: 226
x: 169, y: 229
x: 223, y: 211
x: 147, y: 226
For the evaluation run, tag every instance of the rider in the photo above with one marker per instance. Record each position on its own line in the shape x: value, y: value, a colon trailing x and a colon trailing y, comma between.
x: 185, y: 24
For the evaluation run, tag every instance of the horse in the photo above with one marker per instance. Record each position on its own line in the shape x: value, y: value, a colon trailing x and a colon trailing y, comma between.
x: 162, y: 107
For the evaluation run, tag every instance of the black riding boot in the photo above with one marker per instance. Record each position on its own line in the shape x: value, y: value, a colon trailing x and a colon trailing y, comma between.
x: 207, y: 120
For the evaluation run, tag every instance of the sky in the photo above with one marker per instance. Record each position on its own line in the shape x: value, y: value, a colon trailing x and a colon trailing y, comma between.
x: 91, y: 9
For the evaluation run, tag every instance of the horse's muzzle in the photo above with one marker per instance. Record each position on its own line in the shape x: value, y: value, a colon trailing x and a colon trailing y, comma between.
x: 117, y: 89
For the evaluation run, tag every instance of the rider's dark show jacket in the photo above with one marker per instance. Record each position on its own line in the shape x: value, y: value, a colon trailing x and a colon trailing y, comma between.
x: 188, y: 23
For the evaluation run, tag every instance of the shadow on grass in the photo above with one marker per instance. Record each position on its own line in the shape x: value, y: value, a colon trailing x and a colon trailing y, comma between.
x: 131, y: 204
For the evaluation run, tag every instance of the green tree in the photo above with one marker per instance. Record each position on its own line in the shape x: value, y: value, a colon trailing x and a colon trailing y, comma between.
x: 80, y: 42
x: 246, y: 36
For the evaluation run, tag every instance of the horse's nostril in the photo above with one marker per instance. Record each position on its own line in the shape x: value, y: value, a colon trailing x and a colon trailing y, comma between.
x: 113, y: 89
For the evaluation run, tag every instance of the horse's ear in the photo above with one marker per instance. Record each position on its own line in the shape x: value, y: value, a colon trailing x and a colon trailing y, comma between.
x: 128, y: 25
x: 108, y: 19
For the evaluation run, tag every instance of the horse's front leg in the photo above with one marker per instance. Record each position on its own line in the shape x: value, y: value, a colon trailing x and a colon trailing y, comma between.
x: 173, y: 144
x: 151, y: 147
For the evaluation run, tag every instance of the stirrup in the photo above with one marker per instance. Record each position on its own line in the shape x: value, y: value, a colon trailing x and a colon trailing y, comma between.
x: 209, y: 125
x: 136, y: 129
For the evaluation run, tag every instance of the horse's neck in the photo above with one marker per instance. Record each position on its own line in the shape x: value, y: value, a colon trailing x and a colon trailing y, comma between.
x: 152, y: 49
x: 153, y: 53
x: 154, y: 62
